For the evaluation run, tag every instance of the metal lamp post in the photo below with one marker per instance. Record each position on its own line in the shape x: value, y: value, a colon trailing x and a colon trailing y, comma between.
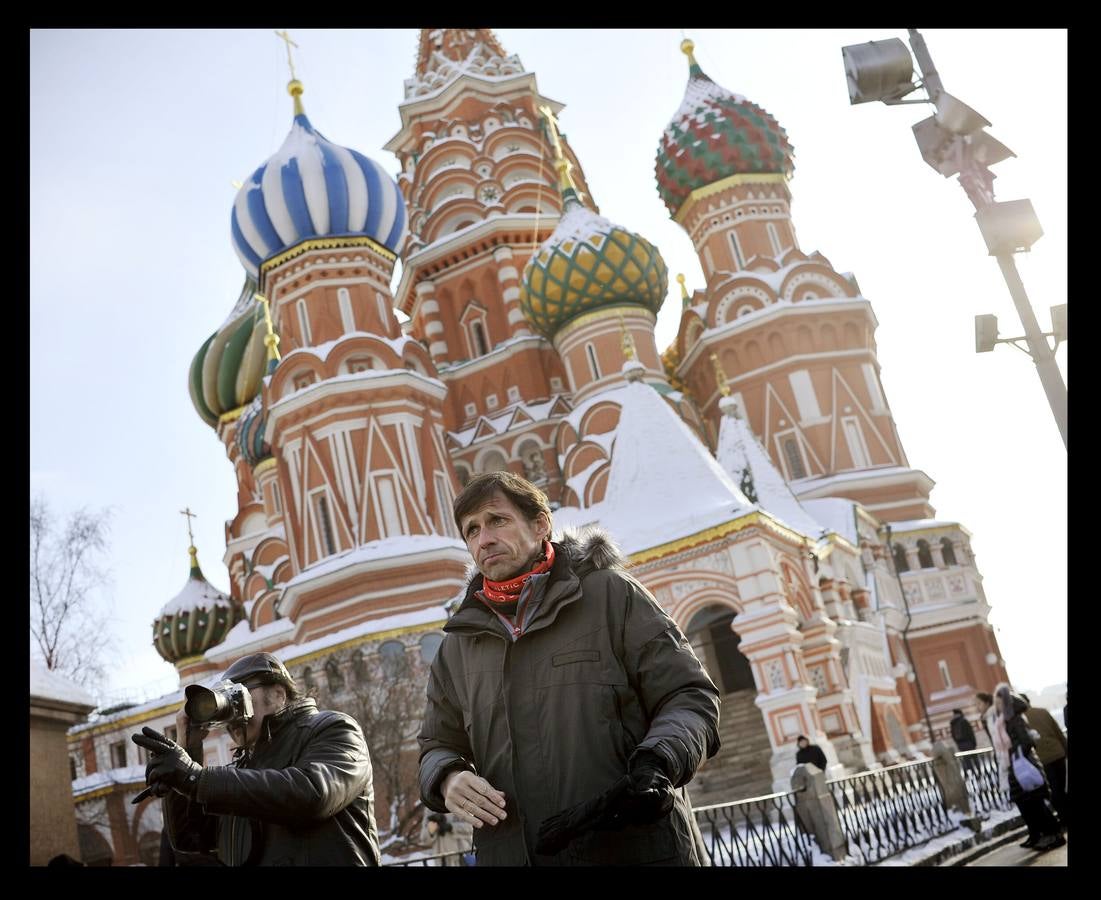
x: 953, y: 142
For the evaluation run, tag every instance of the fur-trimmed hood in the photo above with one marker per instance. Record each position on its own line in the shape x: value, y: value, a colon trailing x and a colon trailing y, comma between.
x: 589, y: 548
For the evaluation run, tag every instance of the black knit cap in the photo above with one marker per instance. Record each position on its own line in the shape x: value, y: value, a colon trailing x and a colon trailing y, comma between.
x: 263, y: 668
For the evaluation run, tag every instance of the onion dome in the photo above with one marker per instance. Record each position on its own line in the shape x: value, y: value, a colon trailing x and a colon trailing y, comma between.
x: 313, y: 188
x: 587, y: 263
x: 713, y: 135
x: 196, y: 619
x: 227, y: 371
x: 250, y: 433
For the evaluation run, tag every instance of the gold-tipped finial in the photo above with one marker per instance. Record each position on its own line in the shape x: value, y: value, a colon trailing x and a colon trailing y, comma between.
x: 563, y: 165
x: 683, y: 289
x: 294, y: 87
x: 186, y: 511
x: 627, y: 341
x: 686, y: 47
x: 720, y: 376
x: 237, y: 185
x: 271, y: 339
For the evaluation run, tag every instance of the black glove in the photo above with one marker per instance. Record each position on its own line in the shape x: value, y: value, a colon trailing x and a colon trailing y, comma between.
x: 169, y: 764
x: 650, y: 795
x: 558, y: 830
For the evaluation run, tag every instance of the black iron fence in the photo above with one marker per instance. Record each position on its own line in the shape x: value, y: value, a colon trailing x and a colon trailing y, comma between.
x: 980, y: 774
x: 887, y: 811
x: 761, y: 831
x: 455, y: 858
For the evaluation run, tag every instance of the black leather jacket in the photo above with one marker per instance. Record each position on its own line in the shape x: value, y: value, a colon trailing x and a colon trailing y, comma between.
x: 302, y: 797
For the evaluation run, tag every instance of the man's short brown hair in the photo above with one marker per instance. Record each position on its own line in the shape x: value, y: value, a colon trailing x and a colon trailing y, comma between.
x: 524, y: 495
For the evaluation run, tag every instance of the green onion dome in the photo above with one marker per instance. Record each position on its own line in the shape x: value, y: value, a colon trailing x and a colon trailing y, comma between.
x: 227, y: 371
x: 197, y: 618
x: 713, y: 135
x: 589, y: 262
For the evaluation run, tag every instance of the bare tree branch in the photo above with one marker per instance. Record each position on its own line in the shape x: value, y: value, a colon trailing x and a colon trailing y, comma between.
x: 68, y: 625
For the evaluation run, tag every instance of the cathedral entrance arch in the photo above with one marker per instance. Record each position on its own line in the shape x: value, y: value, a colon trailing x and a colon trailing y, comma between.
x: 711, y: 634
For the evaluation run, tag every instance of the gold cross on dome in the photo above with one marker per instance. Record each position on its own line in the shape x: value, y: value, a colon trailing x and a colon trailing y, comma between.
x: 283, y: 35
x: 186, y: 511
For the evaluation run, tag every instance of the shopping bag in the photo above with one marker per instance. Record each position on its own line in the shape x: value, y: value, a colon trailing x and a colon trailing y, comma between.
x: 1028, y: 776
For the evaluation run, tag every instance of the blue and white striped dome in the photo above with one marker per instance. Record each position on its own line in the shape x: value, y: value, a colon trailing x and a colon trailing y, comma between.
x: 314, y: 188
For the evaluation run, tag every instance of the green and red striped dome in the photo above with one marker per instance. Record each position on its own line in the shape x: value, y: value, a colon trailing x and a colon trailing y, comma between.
x: 713, y: 135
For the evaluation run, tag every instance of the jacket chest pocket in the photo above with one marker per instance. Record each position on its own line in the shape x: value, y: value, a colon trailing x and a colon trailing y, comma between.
x: 578, y: 665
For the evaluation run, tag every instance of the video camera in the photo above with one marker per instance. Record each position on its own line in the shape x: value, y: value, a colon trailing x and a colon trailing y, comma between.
x: 227, y: 703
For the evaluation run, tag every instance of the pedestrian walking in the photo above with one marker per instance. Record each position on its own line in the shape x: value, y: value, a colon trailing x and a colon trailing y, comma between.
x: 1051, y: 748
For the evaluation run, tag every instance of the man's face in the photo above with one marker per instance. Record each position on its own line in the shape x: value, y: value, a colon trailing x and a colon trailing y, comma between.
x: 983, y: 705
x: 501, y: 540
x: 802, y: 743
x: 264, y: 702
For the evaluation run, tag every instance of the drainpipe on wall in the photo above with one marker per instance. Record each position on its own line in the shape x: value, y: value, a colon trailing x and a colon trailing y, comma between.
x: 905, y: 639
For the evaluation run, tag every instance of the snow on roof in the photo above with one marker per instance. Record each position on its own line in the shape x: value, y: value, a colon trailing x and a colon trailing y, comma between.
x: 663, y: 482
x: 429, y: 615
x: 858, y: 475
x: 268, y: 571
x: 698, y: 91
x: 738, y: 449
x: 126, y: 775
x: 581, y: 479
x: 50, y: 685
x: 614, y: 395
x: 499, y: 421
x: 385, y: 548
x: 918, y: 524
x: 241, y: 635
x: 836, y: 514
x: 197, y: 593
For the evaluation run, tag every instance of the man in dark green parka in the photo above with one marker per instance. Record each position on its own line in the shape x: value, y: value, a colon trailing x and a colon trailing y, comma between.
x: 559, y: 679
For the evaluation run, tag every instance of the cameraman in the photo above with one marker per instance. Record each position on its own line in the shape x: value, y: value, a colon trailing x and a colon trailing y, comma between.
x: 298, y: 792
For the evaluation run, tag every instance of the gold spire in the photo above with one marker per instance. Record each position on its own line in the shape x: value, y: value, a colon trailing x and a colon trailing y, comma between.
x: 271, y: 339
x: 186, y: 511
x: 294, y: 87
x: 686, y: 47
x: 720, y: 376
x: 627, y: 342
x: 563, y: 165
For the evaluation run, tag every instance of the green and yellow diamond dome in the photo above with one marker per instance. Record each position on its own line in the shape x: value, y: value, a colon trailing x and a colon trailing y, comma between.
x: 589, y: 263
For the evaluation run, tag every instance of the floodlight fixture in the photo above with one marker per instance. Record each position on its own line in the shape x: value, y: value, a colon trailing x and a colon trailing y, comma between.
x: 878, y: 70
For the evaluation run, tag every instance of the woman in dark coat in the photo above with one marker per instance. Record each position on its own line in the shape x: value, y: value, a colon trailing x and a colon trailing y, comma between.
x: 1010, y: 735
x: 809, y: 753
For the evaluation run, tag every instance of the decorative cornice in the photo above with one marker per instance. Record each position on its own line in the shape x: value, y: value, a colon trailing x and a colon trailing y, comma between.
x: 605, y: 312
x: 134, y: 719
x: 756, y: 517
x: 721, y: 185
x: 328, y: 243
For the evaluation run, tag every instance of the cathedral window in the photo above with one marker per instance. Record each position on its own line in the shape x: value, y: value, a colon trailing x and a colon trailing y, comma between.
x: 794, y: 459
x: 303, y: 380
x: 393, y: 658
x: 430, y: 645
x: 925, y: 557
x: 948, y: 552
x: 592, y: 361
x: 276, y: 500
x: 556, y: 383
x: 513, y: 394
x: 901, y: 563
x: 303, y: 322
x: 491, y: 401
x: 344, y: 300
x: 383, y: 311
x: 739, y: 259
x: 324, y: 523
x: 854, y: 437
x: 118, y: 755
x: 471, y: 410
x: 359, y: 667
x: 774, y: 239
x: 945, y: 675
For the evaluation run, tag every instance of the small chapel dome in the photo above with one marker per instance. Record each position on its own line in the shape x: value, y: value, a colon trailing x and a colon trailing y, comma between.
x: 196, y: 619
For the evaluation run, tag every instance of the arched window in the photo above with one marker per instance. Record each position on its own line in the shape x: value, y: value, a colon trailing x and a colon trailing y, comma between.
x: 430, y: 645
x: 480, y: 345
x: 592, y: 361
x: 307, y: 679
x: 948, y: 552
x: 359, y: 667
x: 393, y: 658
x: 334, y: 677
x: 344, y: 301
x: 303, y: 322
x: 901, y: 565
x: 925, y: 557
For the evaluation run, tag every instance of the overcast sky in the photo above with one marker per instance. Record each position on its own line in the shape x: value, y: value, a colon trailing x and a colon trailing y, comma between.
x: 137, y: 136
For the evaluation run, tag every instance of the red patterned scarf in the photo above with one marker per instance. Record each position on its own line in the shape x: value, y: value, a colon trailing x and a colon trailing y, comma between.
x: 507, y: 592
